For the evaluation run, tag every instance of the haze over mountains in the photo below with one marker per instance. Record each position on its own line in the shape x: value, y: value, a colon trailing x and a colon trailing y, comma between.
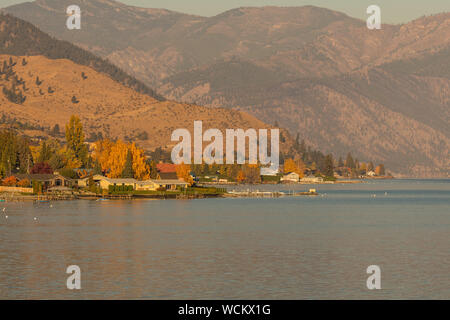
x: 382, y: 93
x: 38, y: 93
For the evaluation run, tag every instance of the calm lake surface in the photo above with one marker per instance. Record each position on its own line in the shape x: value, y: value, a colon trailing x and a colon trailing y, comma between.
x: 285, y: 248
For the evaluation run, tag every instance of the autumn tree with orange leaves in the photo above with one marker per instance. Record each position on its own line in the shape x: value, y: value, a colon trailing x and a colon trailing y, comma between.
x: 240, y: 177
x: 184, y: 172
x: 294, y: 166
x: 10, y: 181
x: 112, y: 157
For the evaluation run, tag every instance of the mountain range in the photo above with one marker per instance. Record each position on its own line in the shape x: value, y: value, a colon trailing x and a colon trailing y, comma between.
x: 44, y: 81
x: 382, y: 94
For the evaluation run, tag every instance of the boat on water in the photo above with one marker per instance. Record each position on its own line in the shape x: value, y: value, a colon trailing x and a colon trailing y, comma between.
x: 102, y: 199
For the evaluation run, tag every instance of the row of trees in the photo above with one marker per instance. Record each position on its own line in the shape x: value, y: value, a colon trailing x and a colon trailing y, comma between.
x: 352, y: 167
x: 121, y: 160
x: 15, y: 154
x: 231, y: 172
x: 305, y: 159
x: 116, y: 159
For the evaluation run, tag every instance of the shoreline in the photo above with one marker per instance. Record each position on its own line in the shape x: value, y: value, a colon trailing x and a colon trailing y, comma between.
x: 47, y: 198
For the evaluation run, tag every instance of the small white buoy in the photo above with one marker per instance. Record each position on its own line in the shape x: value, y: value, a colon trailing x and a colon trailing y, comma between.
x: 6, y: 217
x: 35, y: 218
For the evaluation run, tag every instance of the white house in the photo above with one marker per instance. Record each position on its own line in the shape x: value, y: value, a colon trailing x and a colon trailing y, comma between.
x: 311, y: 179
x: 290, y: 177
x: 371, y: 174
x: 268, y: 172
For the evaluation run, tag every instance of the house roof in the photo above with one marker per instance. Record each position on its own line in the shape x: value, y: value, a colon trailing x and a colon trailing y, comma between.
x: 268, y: 172
x: 120, y: 181
x: 146, y: 183
x: 168, y: 175
x: 166, y: 167
x: 39, y: 177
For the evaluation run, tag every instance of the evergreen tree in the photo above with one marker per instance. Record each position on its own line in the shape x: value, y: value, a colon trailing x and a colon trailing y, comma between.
x: 329, y: 166
x: 153, y: 170
x: 45, y: 152
x: 128, y: 169
x: 98, y: 168
x: 297, y: 142
x: 349, y: 163
x: 55, y: 131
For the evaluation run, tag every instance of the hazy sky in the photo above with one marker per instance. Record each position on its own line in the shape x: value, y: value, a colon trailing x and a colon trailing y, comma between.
x: 393, y: 11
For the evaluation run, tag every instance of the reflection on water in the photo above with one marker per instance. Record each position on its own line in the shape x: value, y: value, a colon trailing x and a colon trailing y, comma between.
x: 286, y: 248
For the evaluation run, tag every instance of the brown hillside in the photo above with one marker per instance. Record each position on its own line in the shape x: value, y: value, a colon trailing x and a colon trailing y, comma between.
x: 104, y: 105
x: 381, y: 94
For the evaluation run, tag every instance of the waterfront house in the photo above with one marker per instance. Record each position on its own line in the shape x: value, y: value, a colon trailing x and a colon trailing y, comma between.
x: 290, y: 177
x: 147, y: 185
x: 371, y: 174
x: 47, y: 180
x: 268, y: 172
x: 104, y: 182
x: 311, y: 179
x: 171, y: 184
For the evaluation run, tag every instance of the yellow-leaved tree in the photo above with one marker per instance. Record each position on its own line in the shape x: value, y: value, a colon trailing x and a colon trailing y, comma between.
x: 102, y: 151
x: 117, y: 159
x: 240, y: 177
x: 140, y: 167
x: 184, y: 172
x: 112, y: 157
x: 290, y: 166
x: 294, y: 166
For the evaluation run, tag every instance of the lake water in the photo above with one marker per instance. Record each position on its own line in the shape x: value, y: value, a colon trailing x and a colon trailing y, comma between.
x: 285, y: 248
